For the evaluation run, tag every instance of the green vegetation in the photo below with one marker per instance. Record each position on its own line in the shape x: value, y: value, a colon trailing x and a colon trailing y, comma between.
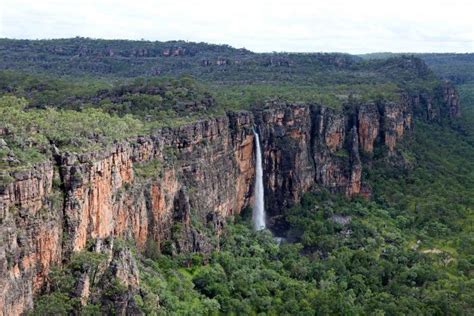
x: 126, y: 59
x: 164, y: 101
x: 230, y: 79
x: 42, y: 113
x: 466, y: 92
x: 245, y: 96
x: 151, y: 168
x: 221, y: 64
x: 28, y: 133
x: 346, y: 258
x: 60, y: 299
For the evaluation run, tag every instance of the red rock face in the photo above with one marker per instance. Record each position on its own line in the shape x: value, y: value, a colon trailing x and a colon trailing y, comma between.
x: 91, y: 184
x: 30, y: 237
x: 334, y: 135
x: 206, y: 166
x: 329, y: 154
x: 244, y: 156
x: 337, y: 162
x: 202, y: 153
x: 368, y: 127
x: 285, y: 132
x: 397, y: 119
x: 29, y: 188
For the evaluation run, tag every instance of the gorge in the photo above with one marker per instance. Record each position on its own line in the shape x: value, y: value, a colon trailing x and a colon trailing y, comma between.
x: 190, y: 161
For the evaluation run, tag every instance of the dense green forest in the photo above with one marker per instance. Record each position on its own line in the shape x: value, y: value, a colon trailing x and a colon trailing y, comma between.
x: 408, y: 250
x: 105, y: 58
x: 220, y: 64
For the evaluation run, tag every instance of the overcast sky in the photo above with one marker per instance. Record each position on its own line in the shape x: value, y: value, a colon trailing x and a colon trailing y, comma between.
x: 354, y: 26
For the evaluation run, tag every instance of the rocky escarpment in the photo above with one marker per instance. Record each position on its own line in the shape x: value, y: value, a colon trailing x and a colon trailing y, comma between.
x: 308, y: 145
x: 200, y: 172
x: 158, y: 189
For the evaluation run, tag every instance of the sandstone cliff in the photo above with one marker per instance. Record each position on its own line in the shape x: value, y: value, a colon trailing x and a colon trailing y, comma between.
x: 308, y: 145
x: 202, y: 172
x: 156, y: 188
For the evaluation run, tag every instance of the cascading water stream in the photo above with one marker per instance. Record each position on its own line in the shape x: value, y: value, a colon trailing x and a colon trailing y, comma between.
x: 258, y: 214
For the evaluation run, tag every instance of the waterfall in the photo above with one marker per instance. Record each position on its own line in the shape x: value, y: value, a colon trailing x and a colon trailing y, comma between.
x: 258, y: 214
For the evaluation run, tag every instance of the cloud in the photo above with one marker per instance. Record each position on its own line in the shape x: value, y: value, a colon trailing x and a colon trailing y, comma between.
x: 297, y: 25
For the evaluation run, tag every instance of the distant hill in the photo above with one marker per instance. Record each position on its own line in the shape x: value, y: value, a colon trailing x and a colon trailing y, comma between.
x: 458, y: 68
x: 123, y: 58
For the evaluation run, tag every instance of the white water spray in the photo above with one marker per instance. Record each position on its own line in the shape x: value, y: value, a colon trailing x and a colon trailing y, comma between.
x: 258, y: 214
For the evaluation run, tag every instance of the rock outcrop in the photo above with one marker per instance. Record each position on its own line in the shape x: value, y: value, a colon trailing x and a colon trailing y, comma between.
x: 308, y: 146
